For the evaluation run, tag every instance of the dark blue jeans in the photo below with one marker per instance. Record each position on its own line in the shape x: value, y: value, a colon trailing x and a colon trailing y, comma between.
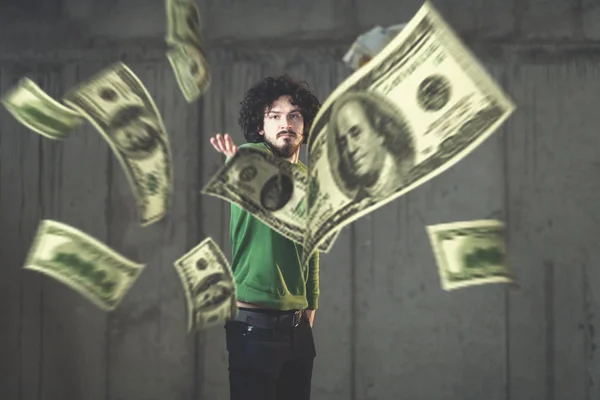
x: 270, y: 364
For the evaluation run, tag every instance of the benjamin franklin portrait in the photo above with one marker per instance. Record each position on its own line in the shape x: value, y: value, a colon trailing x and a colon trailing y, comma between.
x: 276, y: 192
x: 371, y: 150
x: 135, y: 131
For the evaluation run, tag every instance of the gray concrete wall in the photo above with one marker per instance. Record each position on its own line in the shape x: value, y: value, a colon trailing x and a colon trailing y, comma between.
x: 385, y: 329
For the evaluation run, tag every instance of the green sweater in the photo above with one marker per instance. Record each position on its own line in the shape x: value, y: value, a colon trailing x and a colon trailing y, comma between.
x: 266, y: 265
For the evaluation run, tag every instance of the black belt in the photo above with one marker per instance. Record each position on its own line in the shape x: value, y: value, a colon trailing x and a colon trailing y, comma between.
x: 269, y: 321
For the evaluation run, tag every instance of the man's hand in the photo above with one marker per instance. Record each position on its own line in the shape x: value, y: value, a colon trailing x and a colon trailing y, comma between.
x: 311, y: 316
x: 223, y: 144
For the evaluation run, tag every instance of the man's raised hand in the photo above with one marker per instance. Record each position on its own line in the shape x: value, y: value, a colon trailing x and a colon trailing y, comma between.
x: 223, y: 144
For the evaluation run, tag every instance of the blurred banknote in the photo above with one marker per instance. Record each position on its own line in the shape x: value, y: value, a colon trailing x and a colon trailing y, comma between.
x: 32, y: 107
x: 208, y: 284
x: 270, y: 188
x: 82, y: 263
x: 186, y: 56
x: 420, y: 106
x: 369, y: 44
x: 470, y: 253
x: 118, y: 105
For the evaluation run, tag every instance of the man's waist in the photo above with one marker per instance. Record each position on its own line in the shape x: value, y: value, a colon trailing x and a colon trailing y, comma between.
x: 269, y: 318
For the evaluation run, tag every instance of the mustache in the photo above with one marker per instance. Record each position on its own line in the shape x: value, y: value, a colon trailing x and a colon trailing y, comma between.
x: 287, y: 132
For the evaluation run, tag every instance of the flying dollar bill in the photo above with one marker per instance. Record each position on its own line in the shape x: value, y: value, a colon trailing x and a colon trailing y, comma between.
x: 208, y: 284
x: 82, y: 263
x: 470, y: 253
x: 190, y: 71
x: 116, y: 102
x: 417, y: 108
x: 32, y: 107
x: 187, y: 56
x: 270, y: 188
x: 367, y: 45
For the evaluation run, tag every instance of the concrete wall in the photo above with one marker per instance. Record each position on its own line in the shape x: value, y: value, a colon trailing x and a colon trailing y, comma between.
x: 385, y: 329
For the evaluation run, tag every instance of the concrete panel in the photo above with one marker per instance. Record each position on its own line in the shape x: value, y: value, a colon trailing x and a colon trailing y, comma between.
x: 590, y: 10
x: 220, y: 20
x: 526, y: 308
x: 126, y: 20
x: 549, y: 19
x: 332, y: 377
x: 51, y: 81
x: 83, y: 9
x: 553, y: 196
x: 19, y: 213
x: 477, y: 19
x: 47, y: 10
x: 73, y: 341
x: 277, y: 19
x: 37, y: 24
x: 150, y: 350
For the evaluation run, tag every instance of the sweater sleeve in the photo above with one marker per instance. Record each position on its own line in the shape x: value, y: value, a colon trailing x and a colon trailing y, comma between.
x: 312, y: 285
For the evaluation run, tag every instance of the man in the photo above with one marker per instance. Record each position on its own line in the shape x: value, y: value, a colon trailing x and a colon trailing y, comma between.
x: 373, y: 149
x: 270, y: 342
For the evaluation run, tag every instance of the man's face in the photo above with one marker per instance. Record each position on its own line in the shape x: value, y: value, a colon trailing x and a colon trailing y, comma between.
x: 359, y: 143
x: 283, y: 127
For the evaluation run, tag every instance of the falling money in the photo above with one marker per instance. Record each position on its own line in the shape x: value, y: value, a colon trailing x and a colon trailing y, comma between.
x: 270, y: 188
x: 32, y: 107
x: 420, y: 106
x: 187, y: 51
x: 470, y: 253
x: 119, y: 106
x: 82, y: 263
x: 208, y: 284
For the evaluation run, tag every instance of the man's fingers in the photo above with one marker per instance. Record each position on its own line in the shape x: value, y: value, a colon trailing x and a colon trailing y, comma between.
x: 228, y: 143
x: 218, y: 143
x: 215, y: 144
x: 223, y: 144
x: 219, y: 138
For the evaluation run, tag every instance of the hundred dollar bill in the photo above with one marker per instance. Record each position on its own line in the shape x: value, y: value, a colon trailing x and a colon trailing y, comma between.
x: 470, y: 253
x: 208, y: 284
x: 367, y: 45
x: 187, y: 56
x: 190, y: 71
x: 83, y: 263
x: 421, y: 105
x: 268, y: 187
x: 32, y: 107
x: 116, y: 102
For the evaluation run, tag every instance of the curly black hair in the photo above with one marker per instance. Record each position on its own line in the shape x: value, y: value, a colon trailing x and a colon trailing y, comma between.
x: 261, y: 96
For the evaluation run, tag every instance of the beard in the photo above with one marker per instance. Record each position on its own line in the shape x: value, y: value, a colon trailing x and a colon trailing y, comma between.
x: 284, y: 150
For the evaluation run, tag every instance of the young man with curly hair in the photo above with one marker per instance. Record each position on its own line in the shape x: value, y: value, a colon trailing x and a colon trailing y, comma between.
x: 270, y: 342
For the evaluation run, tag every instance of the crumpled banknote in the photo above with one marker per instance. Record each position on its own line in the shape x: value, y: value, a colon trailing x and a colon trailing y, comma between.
x: 367, y: 45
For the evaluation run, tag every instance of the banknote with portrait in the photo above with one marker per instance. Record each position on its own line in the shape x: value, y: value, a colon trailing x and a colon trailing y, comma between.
x: 270, y: 188
x: 417, y: 108
x: 116, y: 102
